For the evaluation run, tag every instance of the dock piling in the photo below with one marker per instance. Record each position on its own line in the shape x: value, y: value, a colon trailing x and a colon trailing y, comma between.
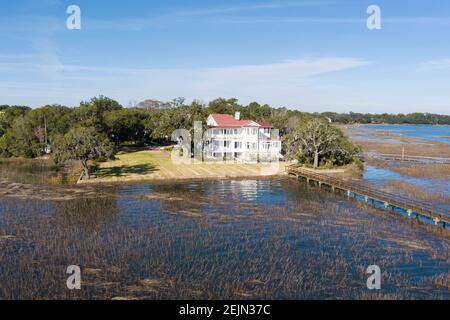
x: 390, y: 200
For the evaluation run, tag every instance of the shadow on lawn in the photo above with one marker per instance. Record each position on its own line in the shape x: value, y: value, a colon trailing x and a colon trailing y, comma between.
x: 121, y: 171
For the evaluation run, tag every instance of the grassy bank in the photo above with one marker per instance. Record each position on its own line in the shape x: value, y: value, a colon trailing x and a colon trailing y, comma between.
x: 158, y: 165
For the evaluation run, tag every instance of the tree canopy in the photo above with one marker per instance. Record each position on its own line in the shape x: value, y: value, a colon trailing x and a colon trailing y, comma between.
x: 317, y: 142
x: 26, y: 132
x: 83, y: 144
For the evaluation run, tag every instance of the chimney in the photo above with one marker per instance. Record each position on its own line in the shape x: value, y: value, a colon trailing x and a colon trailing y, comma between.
x: 237, y: 116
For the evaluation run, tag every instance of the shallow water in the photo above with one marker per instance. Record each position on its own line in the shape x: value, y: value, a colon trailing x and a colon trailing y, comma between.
x: 378, y: 176
x: 376, y: 138
x: 425, y: 132
x: 220, y: 239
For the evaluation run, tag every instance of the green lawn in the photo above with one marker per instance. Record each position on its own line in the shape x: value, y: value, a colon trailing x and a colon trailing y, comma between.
x: 158, y: 165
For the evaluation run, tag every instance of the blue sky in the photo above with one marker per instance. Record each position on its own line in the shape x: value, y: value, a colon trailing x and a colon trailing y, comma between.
x: 314, y: 55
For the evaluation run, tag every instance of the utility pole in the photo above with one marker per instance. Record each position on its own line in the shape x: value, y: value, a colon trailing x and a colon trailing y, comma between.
x: 47, y: 149
x: 45, y: 130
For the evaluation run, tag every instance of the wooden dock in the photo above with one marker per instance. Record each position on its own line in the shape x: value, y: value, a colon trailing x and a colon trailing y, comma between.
x: 413, y: 208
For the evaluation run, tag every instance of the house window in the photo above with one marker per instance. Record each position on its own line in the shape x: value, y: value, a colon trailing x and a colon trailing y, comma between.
x: 248, y: 145
x: 252, y: 131
x: 237, y: 145
x: 227, y: 144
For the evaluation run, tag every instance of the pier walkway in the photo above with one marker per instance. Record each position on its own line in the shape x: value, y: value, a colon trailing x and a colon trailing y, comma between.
x: 413, y: 208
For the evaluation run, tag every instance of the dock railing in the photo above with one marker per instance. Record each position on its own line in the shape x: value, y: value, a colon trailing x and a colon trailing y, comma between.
x: 412, y: 206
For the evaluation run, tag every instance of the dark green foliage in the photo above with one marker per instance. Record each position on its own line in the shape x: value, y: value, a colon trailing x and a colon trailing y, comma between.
x: 90, y: 114
x: 9, y: 114
x: 126, y: 125
x: 20, y: 140
x: 83, y: 144
x: 316, y: 142
x: 224, y: 106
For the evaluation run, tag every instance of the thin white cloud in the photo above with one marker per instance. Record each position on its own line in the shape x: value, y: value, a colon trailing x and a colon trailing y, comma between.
x: 250, y: 7
x: 418, y: 20
x: 325, y: 20
x: 292, y: 19
x: 433, y: 65
x: 274, y: 83
x: 140, y: 24
x: 197, y: 15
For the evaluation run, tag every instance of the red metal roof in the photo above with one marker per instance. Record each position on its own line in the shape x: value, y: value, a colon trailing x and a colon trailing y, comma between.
x: 228, y: 121
x: 265, y: 124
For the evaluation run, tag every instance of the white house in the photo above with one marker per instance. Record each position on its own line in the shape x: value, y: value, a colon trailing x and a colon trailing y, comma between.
x: 230, y: 137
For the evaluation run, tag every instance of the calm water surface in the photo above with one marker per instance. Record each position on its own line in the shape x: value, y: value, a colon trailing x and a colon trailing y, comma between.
x: 425, y: 132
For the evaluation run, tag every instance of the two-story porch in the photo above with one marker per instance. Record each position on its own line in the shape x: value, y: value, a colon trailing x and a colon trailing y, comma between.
x: 244, y: 140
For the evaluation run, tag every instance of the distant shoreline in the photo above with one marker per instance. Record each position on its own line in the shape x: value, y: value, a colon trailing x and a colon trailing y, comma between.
x: 403, y: 124
x: 392, y: 124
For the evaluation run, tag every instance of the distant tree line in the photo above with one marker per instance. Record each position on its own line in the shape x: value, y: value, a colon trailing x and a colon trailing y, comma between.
x: 367, y: 118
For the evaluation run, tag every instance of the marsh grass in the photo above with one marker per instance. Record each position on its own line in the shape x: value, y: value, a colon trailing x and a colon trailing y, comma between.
x: 413, y: 146
x: 41, y: 171
x: 436, y: 171
x: 270, y: 239
x: 417, y: 192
